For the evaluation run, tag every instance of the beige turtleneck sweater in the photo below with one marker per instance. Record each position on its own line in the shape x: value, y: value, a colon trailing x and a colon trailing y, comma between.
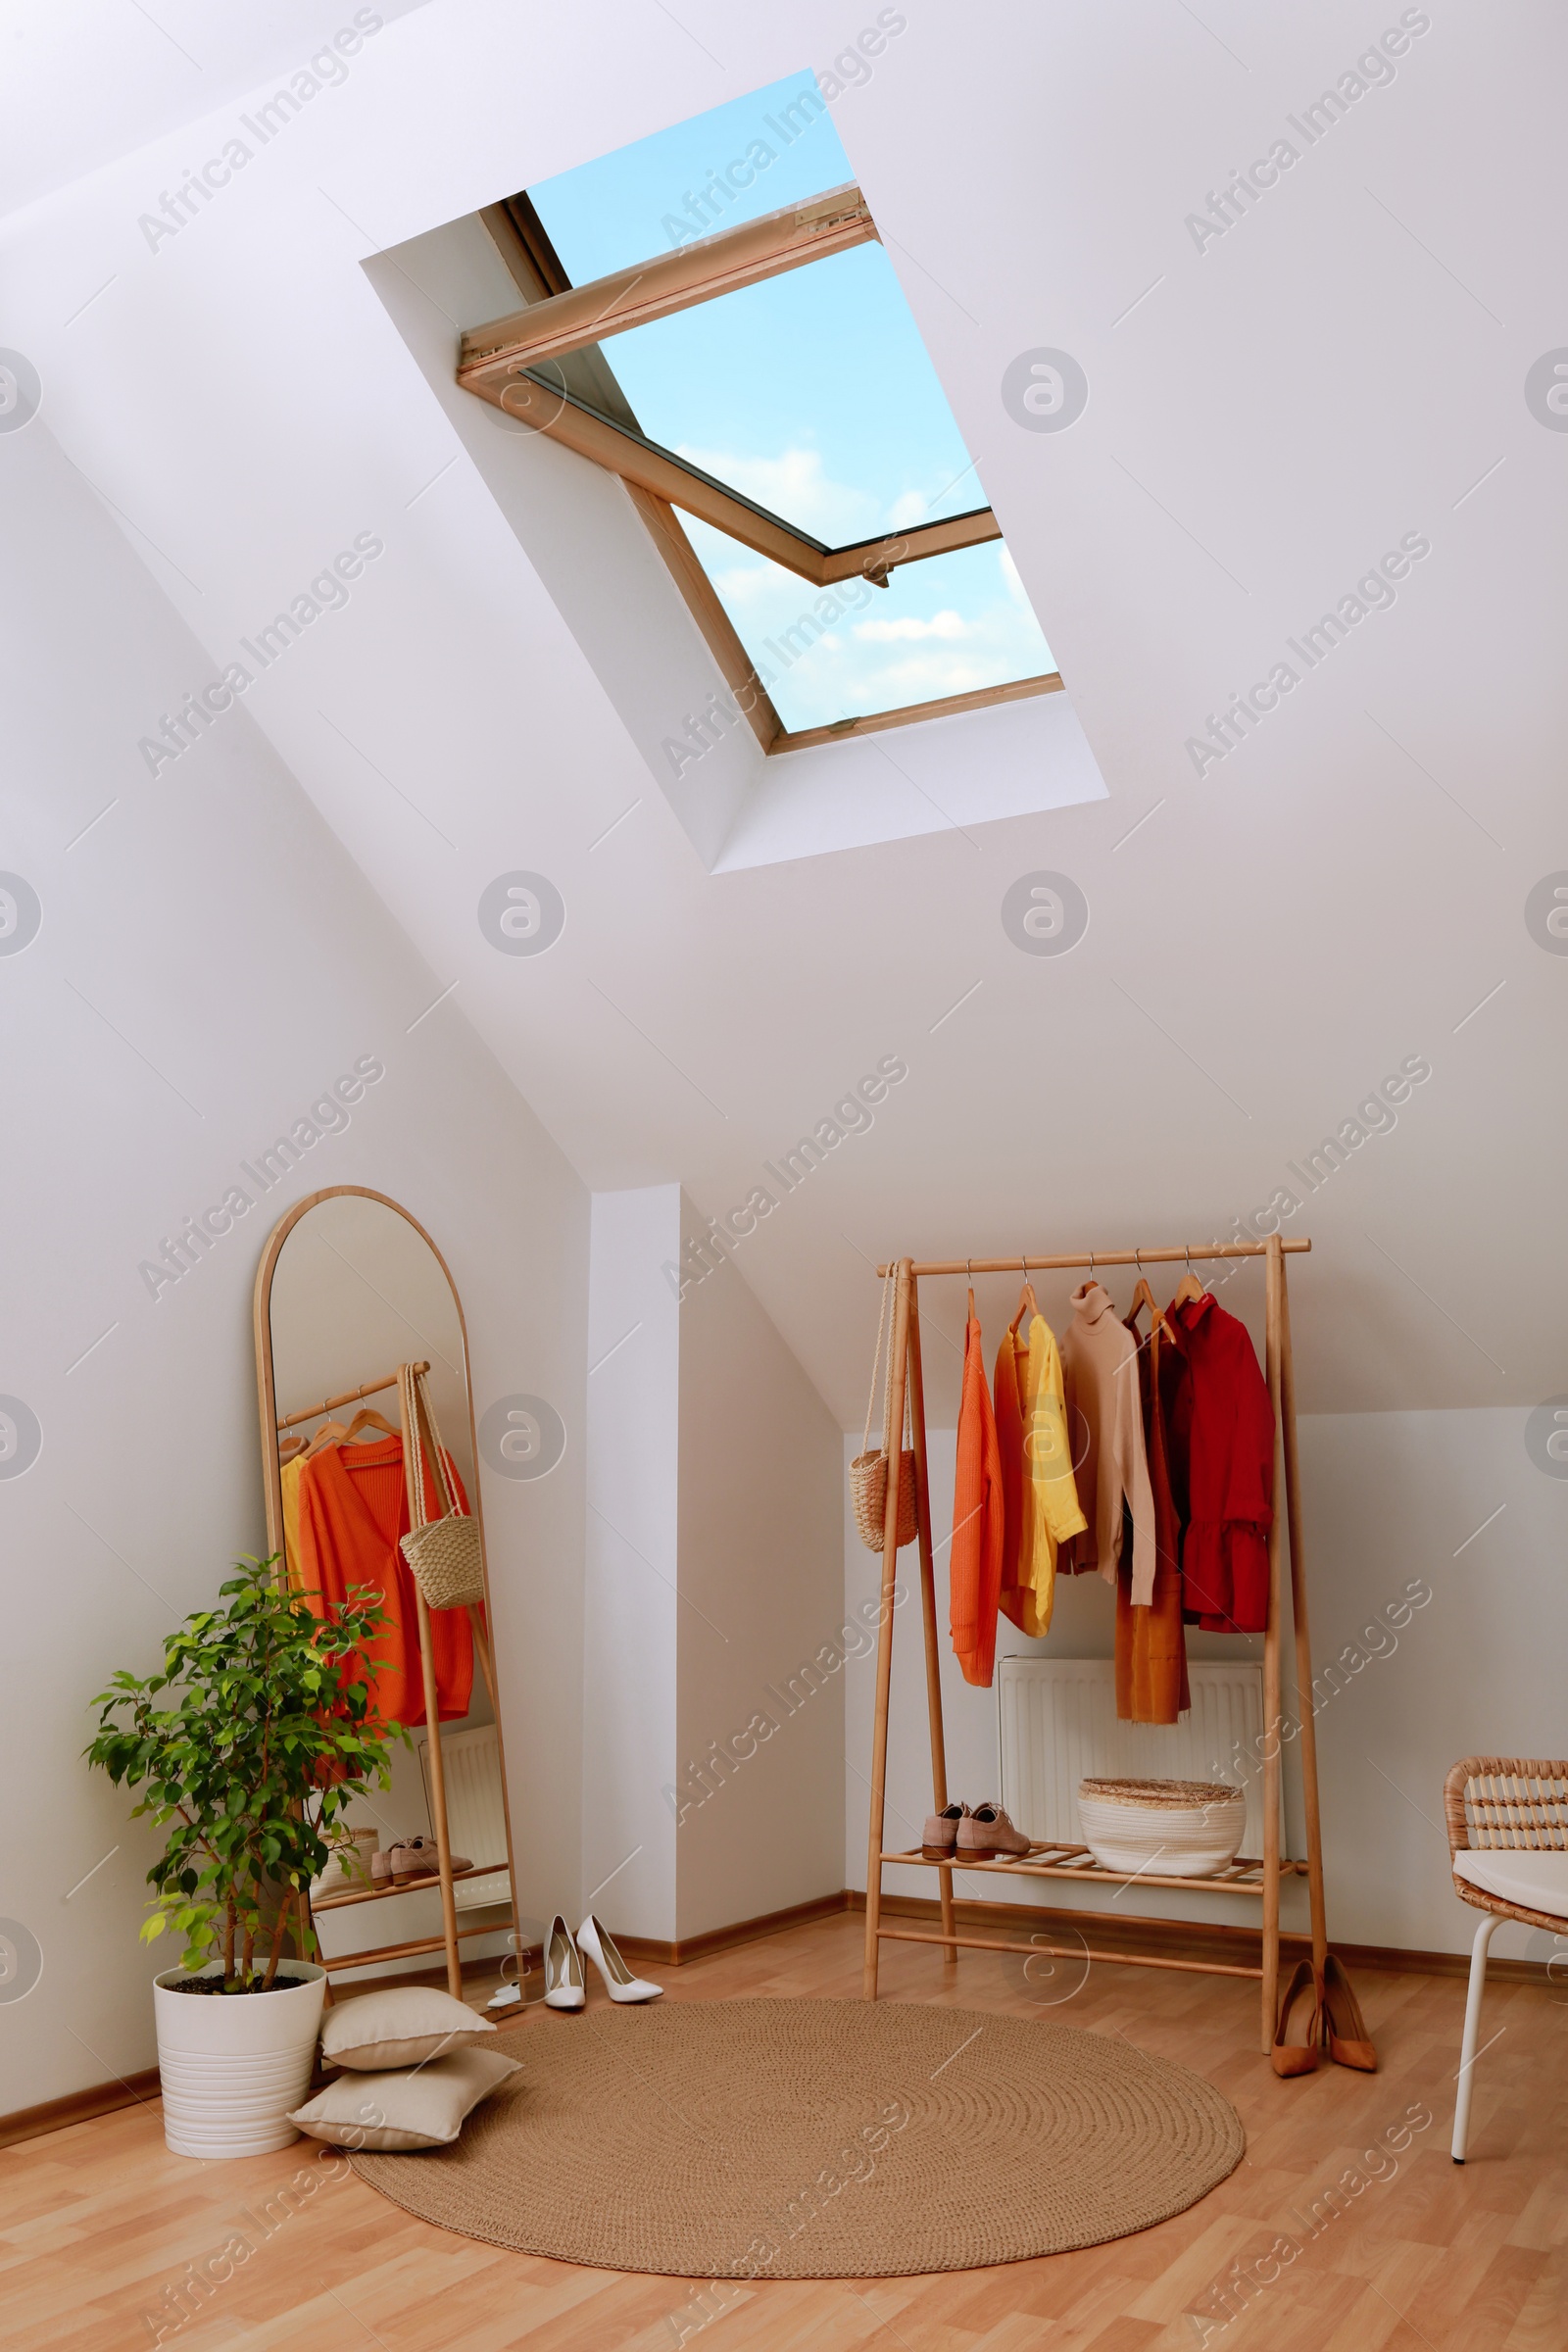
x: 1106, y: 1428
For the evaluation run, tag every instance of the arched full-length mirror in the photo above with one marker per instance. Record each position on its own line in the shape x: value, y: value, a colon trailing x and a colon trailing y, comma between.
x: 351, y: 1287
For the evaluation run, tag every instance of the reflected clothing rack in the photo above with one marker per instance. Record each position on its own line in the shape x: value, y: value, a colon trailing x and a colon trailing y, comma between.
x: 1074, y: 1863
x: 416, y: 1447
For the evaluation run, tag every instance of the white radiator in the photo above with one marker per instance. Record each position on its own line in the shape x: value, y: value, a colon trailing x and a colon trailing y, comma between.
x: 1058, y: 1726
x: 476, y: 1823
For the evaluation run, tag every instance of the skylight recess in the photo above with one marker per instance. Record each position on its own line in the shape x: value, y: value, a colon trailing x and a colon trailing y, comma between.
x: 709, y: 312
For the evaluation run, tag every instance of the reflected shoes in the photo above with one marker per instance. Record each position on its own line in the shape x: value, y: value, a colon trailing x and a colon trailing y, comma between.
x: 941, y: 1833
x: 987, y: 1836
x: 620, y: 1982
x: 347, y: 1869
x: 411, y: 1858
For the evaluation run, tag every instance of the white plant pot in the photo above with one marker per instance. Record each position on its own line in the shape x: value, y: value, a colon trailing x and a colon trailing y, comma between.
x: 233, y: 2068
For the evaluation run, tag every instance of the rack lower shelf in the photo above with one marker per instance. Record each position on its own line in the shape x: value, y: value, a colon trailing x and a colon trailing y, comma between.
x: 1046, y: 1860
x: 394, y: 1951
x: 421, y: 1884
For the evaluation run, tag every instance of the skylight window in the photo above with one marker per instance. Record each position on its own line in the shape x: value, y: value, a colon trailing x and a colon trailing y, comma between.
x: 709, y: 315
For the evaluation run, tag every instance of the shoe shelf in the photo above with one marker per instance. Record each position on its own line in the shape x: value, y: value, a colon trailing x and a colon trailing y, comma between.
x: 1044, y: 1860
x: 417, y: 1885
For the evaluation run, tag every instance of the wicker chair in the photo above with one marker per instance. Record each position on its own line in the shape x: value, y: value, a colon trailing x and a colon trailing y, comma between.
x: 1509, y: 1845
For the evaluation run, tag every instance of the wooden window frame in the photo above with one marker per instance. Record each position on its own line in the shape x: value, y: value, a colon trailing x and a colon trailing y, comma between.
x: 542, y: 366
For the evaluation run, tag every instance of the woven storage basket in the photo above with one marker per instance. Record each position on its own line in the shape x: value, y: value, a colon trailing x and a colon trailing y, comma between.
x: 1183, y: 1828
x: 868, y: 1472
x: 443, y: 1554
x: 868, y: 1491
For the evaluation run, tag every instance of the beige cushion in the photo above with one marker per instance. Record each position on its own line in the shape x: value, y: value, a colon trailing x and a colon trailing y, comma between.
x: 403, y: 2026
x: 422, y: 2107
x: 1535, y: 1881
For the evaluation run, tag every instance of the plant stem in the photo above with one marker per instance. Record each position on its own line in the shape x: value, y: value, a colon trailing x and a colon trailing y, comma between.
x: 279, y: 1929
x: 228, y: 1944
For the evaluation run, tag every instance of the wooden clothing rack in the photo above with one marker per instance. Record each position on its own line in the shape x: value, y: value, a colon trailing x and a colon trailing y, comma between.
x: 414, y: 1444
x: 1056, y: 1862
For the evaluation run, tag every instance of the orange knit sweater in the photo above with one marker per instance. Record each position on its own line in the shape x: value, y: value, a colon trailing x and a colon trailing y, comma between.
x: 974, y: 1575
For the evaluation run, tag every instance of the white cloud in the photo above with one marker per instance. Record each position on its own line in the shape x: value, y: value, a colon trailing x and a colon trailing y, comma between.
x: 924, y: 676
x: 874, y: 654
x: 795, y: 487
x: 893, y: 632
x: 907, y: 509
x: 744, y: 582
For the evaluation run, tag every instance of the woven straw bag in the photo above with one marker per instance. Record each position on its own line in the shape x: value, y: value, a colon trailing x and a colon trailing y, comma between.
x: 868, y: 1472
x: 443, y: 1554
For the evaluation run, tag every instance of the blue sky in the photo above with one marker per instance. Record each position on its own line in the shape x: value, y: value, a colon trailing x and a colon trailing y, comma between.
x: 813, y: 395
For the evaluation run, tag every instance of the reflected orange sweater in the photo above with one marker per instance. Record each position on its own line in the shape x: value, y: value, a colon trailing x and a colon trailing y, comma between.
x: 354, y: 1507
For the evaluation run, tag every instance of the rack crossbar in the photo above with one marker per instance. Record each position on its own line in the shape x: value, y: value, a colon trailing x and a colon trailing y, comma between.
x: 1091, y: 1258
x: 1066, y: 1951
x: 330, y: 1405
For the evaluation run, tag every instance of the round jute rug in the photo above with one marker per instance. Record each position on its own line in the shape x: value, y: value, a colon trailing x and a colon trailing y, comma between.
x: 817, y: 2139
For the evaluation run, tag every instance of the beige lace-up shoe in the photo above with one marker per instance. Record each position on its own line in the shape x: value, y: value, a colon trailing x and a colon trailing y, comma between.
x: 988, y: 1836
x: 941, y: 1833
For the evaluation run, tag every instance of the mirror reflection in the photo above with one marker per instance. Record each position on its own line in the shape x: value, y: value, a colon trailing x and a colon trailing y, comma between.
x: 354, y: 1290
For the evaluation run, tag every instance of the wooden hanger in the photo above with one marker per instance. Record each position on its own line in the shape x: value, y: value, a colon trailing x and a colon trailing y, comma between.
x: 1028, y: 1304
x: 1144, y: 1296
x: 368, y: 1418
x: 1188, y: 1287
x: 1095, y: 1278
x: 333, y: 1432
x: 330, y: 1433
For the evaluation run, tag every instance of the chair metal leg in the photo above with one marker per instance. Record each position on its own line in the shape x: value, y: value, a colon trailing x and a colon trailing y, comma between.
x: 1472, y: 2032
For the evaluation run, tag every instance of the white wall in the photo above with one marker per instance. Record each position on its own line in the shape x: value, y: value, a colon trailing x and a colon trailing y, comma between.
x: 209, y: 961
x: 1390, y: 1500
x: 713, y: 1572
x: 631, y: 1614
x: 761, y: 1585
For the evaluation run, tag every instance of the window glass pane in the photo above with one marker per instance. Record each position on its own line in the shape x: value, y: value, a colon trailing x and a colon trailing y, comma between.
x: 948, y: 626
x: 754, y: 156
x: 812, y: 394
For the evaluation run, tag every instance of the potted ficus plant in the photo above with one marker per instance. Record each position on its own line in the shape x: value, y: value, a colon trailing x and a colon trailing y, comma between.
x: 253, y: 1740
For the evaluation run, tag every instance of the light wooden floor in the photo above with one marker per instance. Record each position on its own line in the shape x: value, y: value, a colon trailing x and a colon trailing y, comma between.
x: 97, y: 2222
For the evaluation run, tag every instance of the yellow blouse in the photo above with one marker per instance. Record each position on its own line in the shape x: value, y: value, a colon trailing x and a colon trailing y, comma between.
x: 1032, y: 1427
x: 291, y: 1520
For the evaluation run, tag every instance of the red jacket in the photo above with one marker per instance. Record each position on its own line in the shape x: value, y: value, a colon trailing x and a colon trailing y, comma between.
x: 1223, y: 1409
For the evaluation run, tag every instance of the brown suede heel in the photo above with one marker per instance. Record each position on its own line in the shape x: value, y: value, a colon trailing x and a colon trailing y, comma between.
x: 1295, y: 2057
x: 1349, y: 2044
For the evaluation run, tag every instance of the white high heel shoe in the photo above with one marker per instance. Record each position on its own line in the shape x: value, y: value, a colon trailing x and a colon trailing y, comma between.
x: 563, y: 1985
x: 620, y: 1982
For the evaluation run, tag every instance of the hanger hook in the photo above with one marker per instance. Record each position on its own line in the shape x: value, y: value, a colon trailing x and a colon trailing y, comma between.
x: 969, y: 1269
x: 1138, y: 1256
x: 1090, y: 1265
